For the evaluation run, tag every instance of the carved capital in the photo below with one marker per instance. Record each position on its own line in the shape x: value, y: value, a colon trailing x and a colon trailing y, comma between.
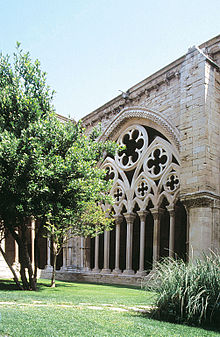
x: 129, y: 217
x: 118, y: 219
x: 142, y: 215
x: 156, y: 212
x: 200, y: 199
x: 171, y: 210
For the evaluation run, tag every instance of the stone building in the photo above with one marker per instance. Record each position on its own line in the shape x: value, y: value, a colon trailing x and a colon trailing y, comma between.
x: 166, y: 183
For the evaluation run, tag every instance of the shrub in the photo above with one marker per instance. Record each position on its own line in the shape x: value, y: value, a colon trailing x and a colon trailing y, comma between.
x: 188, y: 293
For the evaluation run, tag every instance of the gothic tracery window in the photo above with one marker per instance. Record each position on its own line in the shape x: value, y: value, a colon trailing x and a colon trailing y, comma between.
x: 144, y: 170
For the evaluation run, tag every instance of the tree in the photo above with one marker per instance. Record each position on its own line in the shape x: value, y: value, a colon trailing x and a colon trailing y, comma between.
x: 72, y: 187
x: 48, y: 169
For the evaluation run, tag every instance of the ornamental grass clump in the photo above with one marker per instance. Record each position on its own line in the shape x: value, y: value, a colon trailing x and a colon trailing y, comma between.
x: 188, y: 293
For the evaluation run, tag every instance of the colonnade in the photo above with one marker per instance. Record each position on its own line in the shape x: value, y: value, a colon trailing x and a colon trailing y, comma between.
x: 130, y: 217
x: 76, y: 253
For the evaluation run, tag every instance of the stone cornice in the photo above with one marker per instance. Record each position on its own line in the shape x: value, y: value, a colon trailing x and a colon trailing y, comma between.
x: 153, y: 82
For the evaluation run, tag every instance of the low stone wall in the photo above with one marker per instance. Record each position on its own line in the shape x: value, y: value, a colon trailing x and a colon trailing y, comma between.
x: 96, y: 278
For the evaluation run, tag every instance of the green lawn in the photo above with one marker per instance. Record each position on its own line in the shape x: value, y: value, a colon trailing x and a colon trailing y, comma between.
x: 76, y: 309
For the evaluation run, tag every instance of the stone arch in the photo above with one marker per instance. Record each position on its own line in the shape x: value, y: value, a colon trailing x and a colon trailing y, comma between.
x: 145, y: 188
x: 149, y: 117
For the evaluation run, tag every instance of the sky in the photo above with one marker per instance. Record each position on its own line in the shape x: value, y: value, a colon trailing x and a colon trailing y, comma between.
x: 91, y: 49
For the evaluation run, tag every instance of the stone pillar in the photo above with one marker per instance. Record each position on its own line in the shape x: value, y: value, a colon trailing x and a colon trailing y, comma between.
x: 171, y: 211
x: 82, y: 253
x: 64, y: 258
x: 130, y: 220
x: 118, y: 221
x: 69, y: 254
x: 16, y: 254
x: 156, y: 212
x: 106, y: 269
x: 32, y: 240
x: 64, y: 266
x: 142, y: 215
x: 15, y: 264
x: 203, y: 226
x: 48, y: 266
x: 86, y: 254
x: 96, y: 267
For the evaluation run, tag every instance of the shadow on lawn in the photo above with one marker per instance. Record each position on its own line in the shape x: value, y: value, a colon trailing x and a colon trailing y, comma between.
x: 153, y: 314
x: 8, y: 285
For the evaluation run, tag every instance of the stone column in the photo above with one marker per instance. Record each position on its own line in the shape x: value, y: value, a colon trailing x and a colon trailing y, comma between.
x: 156, y: 212
x: 171, y: 211
x: 48, y: 266
x: 96, y: 267
x: 106, y: 269
x: 202, y: 209
x: 15, y: 264
x: 82, y: 249
x: 16, y: 254
x: 142, y: 216
x: 69, y: 254
x: 118, y: 221
x: 130, y: 220
x: 63, y: 268
x: 32, y: 240
x: 87, y: 245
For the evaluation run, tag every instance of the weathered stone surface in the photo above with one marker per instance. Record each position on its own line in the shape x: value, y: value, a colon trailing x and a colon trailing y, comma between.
x: 181, y: 103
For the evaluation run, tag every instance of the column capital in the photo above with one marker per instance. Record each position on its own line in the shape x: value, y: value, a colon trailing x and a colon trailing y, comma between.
x: 156, y: 212
x: 129, y: 216
x: 118, y: 219
x: 142, y: 214
x: 171, y: 209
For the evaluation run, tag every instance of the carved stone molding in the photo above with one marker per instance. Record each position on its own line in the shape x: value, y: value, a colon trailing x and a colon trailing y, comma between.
x: 142, y: 215
x: 200, y: 199
x: 156, y: 212
x: 142, y: 113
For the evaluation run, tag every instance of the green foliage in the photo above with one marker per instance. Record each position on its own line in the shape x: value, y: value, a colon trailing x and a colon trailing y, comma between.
x: 190, y: 292
x: 48, y: 169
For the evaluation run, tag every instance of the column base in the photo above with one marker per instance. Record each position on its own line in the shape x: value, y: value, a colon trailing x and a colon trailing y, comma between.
x: 86, y: 270
x: 106, y: 271
x: 48, y: 268
x: 16, y: 266
x: 116, y: 271
x: 128, y: 272
x: 141, y: 273
x: 95, y: 271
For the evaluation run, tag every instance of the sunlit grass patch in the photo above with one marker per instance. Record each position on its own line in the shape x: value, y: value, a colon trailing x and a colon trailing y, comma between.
x: 75, y: 309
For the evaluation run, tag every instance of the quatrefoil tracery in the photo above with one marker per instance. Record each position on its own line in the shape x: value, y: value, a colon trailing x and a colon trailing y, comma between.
x: 142, y: 188
x: 134, y: 139
x: 172, y: 182
x: 139, y: 170
x: 110, y: 173
x: 156, y: 162
x: 118, y: 194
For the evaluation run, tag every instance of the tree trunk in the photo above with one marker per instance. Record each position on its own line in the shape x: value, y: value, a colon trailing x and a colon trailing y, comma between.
x: 11, y: 268
x: 25, y: 262
x: 54, y: 266
x: 54, y: 272
x: 24, y: 256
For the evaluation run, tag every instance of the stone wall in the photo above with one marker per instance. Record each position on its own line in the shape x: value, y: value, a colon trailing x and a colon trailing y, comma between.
x: 187, y: 94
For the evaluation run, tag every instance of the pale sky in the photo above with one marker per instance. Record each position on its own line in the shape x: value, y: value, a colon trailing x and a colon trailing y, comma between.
x: 90, y: 49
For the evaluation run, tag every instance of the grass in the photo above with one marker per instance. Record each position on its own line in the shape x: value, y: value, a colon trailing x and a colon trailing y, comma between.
x: 79, y: 309
x: 188, y: 293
